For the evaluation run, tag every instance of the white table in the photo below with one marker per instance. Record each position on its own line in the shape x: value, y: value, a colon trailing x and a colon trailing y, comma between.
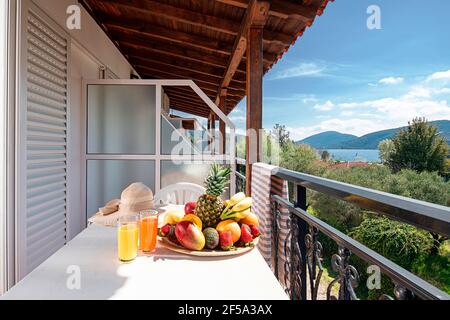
x: 163, y: 275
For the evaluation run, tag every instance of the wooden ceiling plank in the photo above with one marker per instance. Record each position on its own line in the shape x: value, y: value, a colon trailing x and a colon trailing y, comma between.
x: 167, y: 75
x: 190, y: 17
x: 185, y: 74
x: 186, y: 39
x: 141, y: 52
x: 175, y: 51
x: 232, y: 96
x: 182, y: 38
x: 204, y: 112
x: 174, y: 13
x: 190, y: 93
x: 189, y: 72
x: 183, y: 96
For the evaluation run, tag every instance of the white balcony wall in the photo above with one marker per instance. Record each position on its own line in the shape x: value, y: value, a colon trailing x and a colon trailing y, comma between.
x: 90, y: 49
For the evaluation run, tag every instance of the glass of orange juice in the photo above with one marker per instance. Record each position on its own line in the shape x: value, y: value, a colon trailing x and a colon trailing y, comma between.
x: 148, y: 227
x: 128, y: 237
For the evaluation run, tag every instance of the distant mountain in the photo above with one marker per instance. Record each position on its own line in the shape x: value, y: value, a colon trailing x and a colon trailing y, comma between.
x: 336, y: 140
x: 328, y: 140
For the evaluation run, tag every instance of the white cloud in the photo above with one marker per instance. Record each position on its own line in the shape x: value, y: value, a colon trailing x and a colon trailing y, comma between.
x: 237, y: 119
x: 305, y: 69
x: 362, y: 117
x: 418, y: 92
x: 423, y: 99
x: 441, y: 75
x: 327, y: 106
x: 391, y: 80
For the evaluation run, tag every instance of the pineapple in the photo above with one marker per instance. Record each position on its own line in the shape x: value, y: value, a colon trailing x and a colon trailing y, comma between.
x: 210, y: 205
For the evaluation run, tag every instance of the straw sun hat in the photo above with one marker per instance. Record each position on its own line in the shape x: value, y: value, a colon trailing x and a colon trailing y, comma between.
x: 135, y: 198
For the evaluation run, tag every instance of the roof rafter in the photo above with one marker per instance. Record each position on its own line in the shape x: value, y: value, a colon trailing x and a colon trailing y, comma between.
x: 183, y: 71
x: 154, y: 8
x: 186, y: 39
x: 173, y: 50
x: 182, y: 38
x: 256, y: 13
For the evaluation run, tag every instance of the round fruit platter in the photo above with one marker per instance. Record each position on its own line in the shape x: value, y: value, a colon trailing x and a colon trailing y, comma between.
x: 166, y: 243
x: 211, y: 227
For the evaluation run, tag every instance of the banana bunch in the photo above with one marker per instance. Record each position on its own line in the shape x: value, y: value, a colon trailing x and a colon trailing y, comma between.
x: 238, y: 207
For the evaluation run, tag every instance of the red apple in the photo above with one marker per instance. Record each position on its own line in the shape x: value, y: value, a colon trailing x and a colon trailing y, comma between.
x: 189, y: 207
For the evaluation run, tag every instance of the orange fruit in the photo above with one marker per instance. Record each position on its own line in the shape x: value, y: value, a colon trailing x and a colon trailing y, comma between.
x: 194, y: 219
x: 232, y: 226
x: 250, y: 219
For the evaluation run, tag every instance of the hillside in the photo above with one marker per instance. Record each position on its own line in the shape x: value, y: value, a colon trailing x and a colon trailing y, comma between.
x: 327, y: 140
x: 337, y: 140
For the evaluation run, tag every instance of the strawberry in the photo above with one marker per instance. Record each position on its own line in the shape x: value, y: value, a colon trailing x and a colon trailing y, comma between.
x: 246, y: 234
x: 226, y: 240
x: 255, y: 231
x: 165, y: 230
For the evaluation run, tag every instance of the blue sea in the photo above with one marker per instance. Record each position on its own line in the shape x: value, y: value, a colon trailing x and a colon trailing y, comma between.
x: 354, y: 155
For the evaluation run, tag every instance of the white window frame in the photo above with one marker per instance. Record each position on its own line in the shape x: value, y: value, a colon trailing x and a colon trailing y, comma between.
x: 7, y: 154
x: 157, y: 157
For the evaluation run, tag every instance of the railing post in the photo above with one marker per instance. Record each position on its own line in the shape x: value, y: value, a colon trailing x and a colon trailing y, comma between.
x: 303, y: 231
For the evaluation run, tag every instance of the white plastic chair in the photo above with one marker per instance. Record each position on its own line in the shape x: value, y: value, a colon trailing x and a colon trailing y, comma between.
x: 178, y: 193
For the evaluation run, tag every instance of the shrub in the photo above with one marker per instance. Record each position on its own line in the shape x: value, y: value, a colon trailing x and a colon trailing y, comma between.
x: 397, y: 241
x: 426, y: 186
x: 434, y: 269
x: 340, y: 214
x: 300, y: 158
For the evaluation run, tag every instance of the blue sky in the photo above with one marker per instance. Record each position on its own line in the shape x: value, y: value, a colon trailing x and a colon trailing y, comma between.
x: 342, y: 76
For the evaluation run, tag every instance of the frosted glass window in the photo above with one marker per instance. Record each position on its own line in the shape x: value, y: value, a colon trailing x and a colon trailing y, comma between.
x: 193, y: 172
x: 121, y: 119
x: 107, y: 178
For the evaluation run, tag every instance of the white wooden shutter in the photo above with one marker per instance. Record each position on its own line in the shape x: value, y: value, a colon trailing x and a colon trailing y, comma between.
x: 43, y: 227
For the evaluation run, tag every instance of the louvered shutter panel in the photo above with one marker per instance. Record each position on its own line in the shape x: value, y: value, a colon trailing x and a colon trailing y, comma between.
x: 46, y: 139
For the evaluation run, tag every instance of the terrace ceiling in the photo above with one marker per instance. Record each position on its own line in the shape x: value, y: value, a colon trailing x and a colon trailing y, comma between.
x: 202, y: 40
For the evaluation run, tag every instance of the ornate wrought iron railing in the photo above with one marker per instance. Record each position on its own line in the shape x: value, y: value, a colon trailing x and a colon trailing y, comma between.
x: 301, y: 269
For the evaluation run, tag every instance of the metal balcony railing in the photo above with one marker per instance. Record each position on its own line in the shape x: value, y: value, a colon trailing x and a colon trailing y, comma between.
x: 303, y: 269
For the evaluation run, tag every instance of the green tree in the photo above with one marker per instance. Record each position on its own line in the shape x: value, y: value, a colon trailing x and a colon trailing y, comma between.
x: 325, y: 156
x: 301, y: 158
x: 240, y: 147
x: 419, y: 147
x: 283, y: 135
x: 385, y: 148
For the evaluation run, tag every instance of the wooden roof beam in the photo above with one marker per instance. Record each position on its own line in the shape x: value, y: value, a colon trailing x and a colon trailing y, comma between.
x: 182, y: 95
x: 160, y: 74
x: 202, y: 112
x: 256, y: 14
x: 174, y: 13
x: 186, y: 39
x: 174, y: 50
x: 142, y: 52
x: 182, y: 38
x: 189, y: 96
x: 150, y: 7
x: 183, y: 71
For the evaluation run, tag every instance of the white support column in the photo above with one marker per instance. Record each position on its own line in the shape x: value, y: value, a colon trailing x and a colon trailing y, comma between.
x: 159, y: 93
